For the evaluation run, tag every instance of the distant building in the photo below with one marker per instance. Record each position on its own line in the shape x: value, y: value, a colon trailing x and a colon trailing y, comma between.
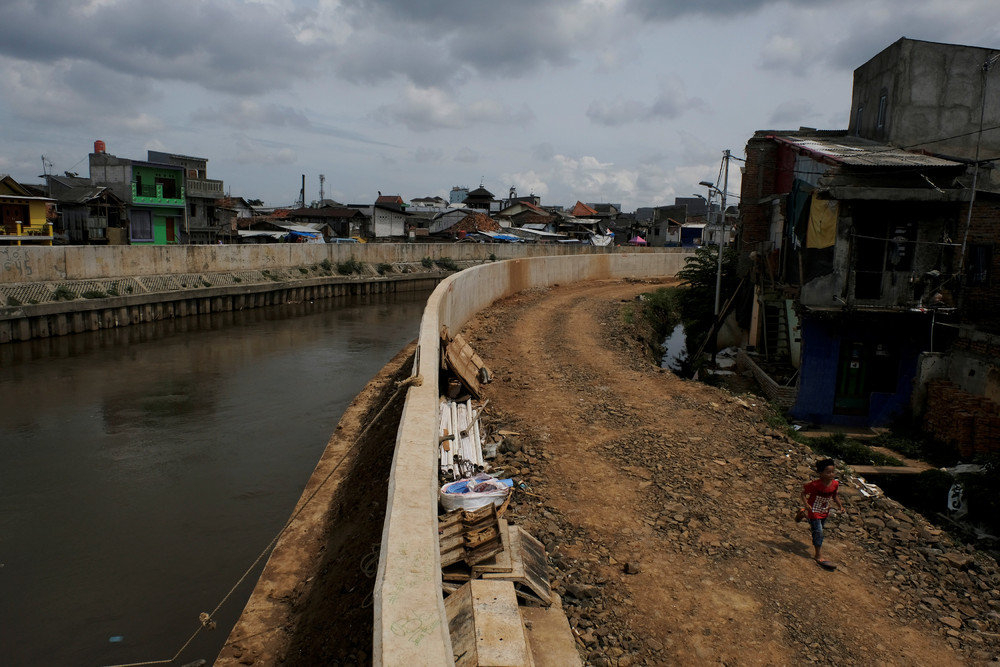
x: 202, y: 194
x: 458, y: 195
x: 153, y: 192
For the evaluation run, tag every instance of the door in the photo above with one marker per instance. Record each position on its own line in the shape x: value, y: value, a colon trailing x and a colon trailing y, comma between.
x: 853, y: 377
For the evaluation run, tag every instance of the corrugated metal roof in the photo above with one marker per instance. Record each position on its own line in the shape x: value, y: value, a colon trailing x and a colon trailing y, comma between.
x: 859, y: 152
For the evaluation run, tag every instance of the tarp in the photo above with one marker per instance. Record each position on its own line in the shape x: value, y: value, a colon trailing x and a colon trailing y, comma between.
x: 822, y: 232
x: 637, y: 240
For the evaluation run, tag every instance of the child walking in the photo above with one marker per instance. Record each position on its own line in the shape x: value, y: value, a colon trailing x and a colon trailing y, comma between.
x: 817, y: 498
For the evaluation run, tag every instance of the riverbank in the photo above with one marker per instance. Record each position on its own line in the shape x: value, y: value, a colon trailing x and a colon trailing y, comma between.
x: 312, y: 603
x: 32, y: 310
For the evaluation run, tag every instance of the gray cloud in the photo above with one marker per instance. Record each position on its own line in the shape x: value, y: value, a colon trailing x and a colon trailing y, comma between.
x: 670, y: 103
x: 670, y: 10
x: 246, y: 114
x: 467, y: 155
x: 223, y: 45
x: 423, y: 110
x: 507, y: 39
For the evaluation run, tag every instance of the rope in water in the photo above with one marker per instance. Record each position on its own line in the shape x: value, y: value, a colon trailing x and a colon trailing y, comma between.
x: 204, y: 618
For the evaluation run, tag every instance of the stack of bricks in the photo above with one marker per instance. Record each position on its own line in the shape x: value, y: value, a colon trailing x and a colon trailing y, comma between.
x: 970, y: 423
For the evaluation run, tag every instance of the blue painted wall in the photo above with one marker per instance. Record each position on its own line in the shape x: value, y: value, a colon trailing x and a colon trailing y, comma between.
x: 821, y: 345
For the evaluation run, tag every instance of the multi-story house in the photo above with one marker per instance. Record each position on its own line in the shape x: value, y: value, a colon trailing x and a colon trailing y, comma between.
x: 860, y: 243
x: 88, y: 214
x: 153, y: 192
x: 204, y: 218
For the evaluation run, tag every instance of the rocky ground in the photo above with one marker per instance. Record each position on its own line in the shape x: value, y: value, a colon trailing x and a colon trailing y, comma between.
x: 666, y: 507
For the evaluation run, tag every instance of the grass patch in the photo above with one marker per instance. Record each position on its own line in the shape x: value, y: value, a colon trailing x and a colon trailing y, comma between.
x: 350, y: 266
x: 113, y: 291
x: 850, y: 451
x: 11, y: 301
x: 327, y: 265
x: 63, y: 293
x: 94, y: 294
x: 447, y: 263
x: 384, y: 268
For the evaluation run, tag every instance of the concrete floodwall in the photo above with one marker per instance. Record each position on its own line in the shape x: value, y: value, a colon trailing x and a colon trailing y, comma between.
x: 51, y: 264
x: 411, y: 627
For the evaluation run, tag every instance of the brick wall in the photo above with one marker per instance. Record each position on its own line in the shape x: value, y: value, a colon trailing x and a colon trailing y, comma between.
x: 759, y: 175
x: 983, y: 301
x: 969, y: 423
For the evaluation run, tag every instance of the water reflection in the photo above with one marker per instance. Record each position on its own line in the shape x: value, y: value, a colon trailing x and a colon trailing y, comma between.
x: 144, y: 468
x: 675, y: 353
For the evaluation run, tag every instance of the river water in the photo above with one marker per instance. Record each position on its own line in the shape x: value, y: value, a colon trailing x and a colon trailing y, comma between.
x: 144, y: 469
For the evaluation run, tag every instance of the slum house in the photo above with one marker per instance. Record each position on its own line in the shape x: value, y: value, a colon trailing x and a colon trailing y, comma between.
x: 665, y: 223
x: 337, y: 220
x: 23, y: 215
x: 88, y: 214
x: 850, y: 242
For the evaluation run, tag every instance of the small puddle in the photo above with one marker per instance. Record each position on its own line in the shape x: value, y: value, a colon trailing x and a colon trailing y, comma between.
x: 675, y: 353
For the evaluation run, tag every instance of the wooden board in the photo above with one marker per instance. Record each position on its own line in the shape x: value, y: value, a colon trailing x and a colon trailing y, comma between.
x: 486, y: 627
x: 463, y: 361
x: 529, y: 572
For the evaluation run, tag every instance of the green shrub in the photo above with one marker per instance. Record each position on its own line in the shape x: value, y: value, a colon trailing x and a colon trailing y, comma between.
x: 427, y: 263
x: 11, y: 301
x: 63, y: 293
x: 350, y: 266
x: 326, y: 264
x: 852, y: 452
x: 237, y: 279
x: 113, y: 291
x: 384, y: 268
x: 205, y: 283
x: 94, y: 294
x: 447, y: 263
x: 493, y: 257
x: 303, y: 270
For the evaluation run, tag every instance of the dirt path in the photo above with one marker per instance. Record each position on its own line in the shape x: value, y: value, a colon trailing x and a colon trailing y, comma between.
x: 685, y: 485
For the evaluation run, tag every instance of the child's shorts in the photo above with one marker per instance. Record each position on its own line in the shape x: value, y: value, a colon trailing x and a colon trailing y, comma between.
x: 817, y: 531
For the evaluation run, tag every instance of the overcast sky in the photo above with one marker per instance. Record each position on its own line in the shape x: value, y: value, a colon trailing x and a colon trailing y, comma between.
x: 622, y: 101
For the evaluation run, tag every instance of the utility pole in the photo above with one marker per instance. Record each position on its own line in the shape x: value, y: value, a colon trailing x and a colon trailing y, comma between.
x: 718, y: 273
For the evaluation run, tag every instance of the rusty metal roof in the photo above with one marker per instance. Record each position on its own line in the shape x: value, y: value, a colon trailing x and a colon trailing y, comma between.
x: 858, y: 152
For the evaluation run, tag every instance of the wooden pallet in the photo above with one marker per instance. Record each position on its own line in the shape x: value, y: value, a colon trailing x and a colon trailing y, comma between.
x: 469, y: 536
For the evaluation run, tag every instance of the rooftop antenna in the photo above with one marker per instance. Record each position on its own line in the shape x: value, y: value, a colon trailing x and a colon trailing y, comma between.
x: 46, y: 166
x: 322, y: 180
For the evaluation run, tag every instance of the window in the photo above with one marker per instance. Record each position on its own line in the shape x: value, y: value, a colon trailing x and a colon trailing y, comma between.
x: 980, y: 259
x: 880, y: 121
x: 142, y: 226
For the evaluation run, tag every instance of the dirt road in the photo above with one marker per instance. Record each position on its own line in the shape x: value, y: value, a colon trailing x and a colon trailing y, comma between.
x: 667, y: 508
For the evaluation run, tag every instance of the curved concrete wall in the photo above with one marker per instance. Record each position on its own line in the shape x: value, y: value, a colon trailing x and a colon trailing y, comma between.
x: 411, y: 627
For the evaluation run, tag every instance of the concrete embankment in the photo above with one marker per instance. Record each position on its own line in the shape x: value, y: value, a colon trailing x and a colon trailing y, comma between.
x: 411, y: 625
x: 54, y: 291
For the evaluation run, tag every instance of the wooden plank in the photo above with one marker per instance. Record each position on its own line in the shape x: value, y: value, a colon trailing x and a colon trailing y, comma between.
x: 529, y: 571
x: 486, y: 626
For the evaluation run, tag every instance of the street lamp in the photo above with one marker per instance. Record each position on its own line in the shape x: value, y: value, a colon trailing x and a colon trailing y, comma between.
x: 722, y: 224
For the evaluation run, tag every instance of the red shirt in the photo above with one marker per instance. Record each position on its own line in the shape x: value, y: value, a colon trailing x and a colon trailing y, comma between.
x: 820, y: 497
